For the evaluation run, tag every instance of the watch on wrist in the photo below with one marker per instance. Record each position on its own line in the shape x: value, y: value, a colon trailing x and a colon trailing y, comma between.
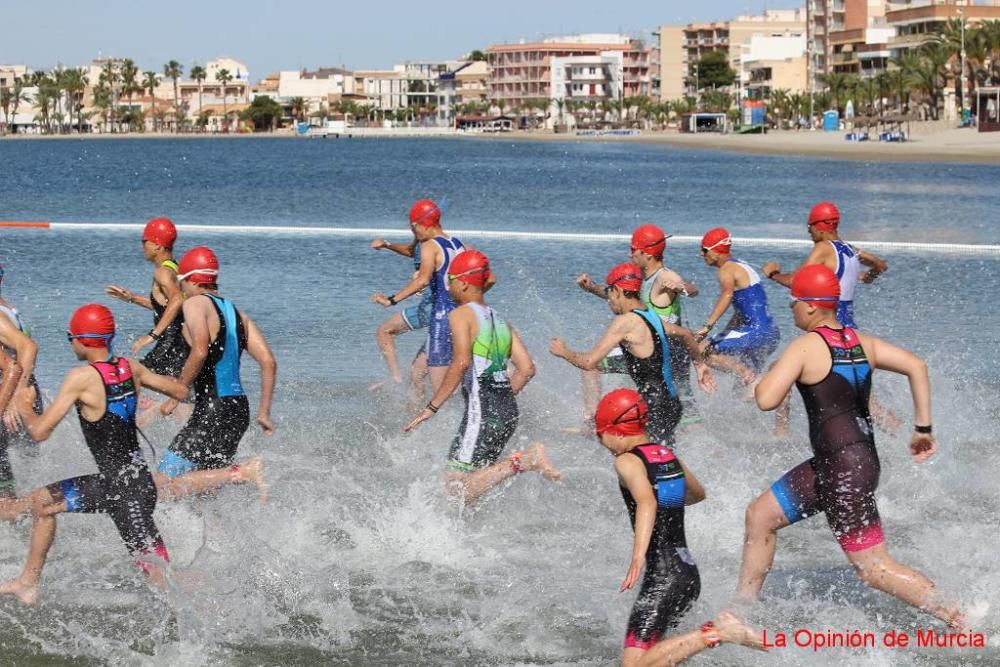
x: 392, y: 300
x: 923, y: 429
x: 155, y: 336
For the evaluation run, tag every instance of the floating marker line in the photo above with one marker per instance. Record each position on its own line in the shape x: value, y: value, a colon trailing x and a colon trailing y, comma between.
x: 966, y: 248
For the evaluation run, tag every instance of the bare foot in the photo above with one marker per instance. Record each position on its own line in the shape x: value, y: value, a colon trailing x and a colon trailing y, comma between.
x: 253, y: 471
x: 734, y: 631
x: 27, y: 594
x: 534, y: 458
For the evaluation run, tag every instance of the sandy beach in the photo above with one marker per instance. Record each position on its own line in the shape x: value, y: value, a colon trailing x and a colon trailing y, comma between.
x: 929, y: 142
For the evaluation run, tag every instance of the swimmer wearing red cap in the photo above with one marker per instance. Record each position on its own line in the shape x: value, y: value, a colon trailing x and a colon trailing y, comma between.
x: 661, y: 291
x: 201, y: 455
x: 842, y: 258
x: 412, y: 318
x: 105, y: 392
x: 831, y: 365
x: 165, y: 300
x: 845, y: 261
x: 655, y: 486
x: 484, y: 346
x: 642, y: 336
x: 437, y: 250
x: 17, y: 365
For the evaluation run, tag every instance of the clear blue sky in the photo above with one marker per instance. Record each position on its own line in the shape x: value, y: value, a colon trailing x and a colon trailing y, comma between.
x: 269, y: 35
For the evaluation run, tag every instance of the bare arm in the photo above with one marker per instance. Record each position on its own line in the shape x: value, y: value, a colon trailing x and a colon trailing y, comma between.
x: 404, y: 249
x: 727, y: 284
x: 11, y: 375
x: 876, y: 265
x: 40, y: 427
x: 428, y: 263
x: 166, y: 281
x: 463, y: 322
x: 632, y: 473
x: 196, y: 328
x: 13, y: 338
x: 694, y: 492
x: 163, y: 384
x: 820, y: 254
x: 128, y: 296
x: 782, y: 375
x: 261, y: 352
x: 614, y: 335
x: 589, y: 286
x: 892, y: 358
x: 524, y: 365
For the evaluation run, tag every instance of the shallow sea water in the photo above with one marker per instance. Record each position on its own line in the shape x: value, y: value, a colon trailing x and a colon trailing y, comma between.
x: 359, y: 558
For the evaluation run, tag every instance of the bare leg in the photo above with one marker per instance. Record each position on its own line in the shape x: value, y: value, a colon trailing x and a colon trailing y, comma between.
x: 471, y: 486
x: 730, y: 364
x: 201, y: 481
x: 591, y: 395
x: 877, y: 569
x: 384, y: 336
x: 418, y: 376
x: 437, y: 374
x: 12, y: 507
x: 764, y: 518
x: 43, y: 533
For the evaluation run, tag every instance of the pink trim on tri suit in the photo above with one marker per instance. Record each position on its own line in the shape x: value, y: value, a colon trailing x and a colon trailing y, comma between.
x: 114, y: 373
x: 160, y: 551
x: 844, y: 339
x: 632, y: 642
x: 864, y: 538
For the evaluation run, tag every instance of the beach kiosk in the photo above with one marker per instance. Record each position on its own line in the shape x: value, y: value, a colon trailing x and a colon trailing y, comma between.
x: 988, y: 109
x: 704, y: 121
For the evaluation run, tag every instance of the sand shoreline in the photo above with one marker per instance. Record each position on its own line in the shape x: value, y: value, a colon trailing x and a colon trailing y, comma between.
x: 948, y: 145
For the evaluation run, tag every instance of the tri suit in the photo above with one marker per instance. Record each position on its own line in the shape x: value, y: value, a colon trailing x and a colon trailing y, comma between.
x: 841, y: 477
x: 123, y: 487
x: 439, y: 331
x: 221, y: 414
x: 171, y: 350
x: 491, y: 413
x: 754, y: 336
x: 680, y: 358
x: 419, y: 316
x: 654, y: 381
x: 848, y: 271
x: 671, y: 583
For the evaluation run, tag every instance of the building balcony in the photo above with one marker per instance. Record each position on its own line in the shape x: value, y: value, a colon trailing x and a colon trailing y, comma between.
x: 844, y: 59
x: 847, y: 36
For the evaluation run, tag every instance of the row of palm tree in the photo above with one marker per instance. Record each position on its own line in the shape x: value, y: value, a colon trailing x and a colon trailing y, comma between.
x: 60, y: 95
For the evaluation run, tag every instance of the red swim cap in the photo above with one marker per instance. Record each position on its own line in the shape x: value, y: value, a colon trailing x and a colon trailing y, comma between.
x: 200, y: 266
x: 621, y: 412
x: 825, y: 216
x: 717, y: 240
x: 425, y: 213
x: 161, y: 232
x: 627, y: 277
x: 93, y: 325
x: 817, y: 285
x: 649, y: 239
x: 471, y: 267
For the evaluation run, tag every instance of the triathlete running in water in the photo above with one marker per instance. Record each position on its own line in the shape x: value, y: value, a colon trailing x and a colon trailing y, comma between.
x: 655, y: 486
x: 412, y: 318
x: 832, y: 367
x: 105, y: 393
x: 217, y: 334
x: 846, y: 262
x: 661, y: 291
x: 17, y: 364
x: 839, y: 256
x: 644, y: 340
x: 484, y: 346
x: 165, y: 300
x: 437, y: 250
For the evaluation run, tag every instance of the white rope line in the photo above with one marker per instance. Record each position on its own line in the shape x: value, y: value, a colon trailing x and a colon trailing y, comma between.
x: 965, y: 248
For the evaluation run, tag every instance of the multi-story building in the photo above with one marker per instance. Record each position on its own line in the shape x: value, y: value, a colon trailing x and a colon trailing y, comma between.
x: 465, y: 82
x: 526, y: 71
x: 768, y: 63
x: 385, y: 90
x: 10, y: 72
x: 681, y: 47
x: 916, y: 20
x: 848, y: 37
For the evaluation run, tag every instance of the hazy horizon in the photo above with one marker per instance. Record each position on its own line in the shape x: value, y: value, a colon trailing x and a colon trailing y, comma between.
x: 269, y: 36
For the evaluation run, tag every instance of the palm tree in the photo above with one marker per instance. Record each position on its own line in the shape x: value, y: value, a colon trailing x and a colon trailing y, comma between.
x: 199, y: 74
x: 839, y: 85
x: 130, y: 82
x: 173, y: 70
x: 298, y: 105
x: 927, y: 73
x: 109, y: 78
x: 75, y: 83
x: 223, y: 77
x: 779, y: 102
x: 10, y: 99
x: 991, y: 37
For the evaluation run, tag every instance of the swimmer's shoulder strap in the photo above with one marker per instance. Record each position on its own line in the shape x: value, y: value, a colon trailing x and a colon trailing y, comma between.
x: 654, y: 321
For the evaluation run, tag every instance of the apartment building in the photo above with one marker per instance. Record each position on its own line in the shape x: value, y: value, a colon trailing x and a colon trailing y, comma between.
x: 465, y: 82
x: 527, y: 71
x: 915, y: 20
x: 681, y: 47
x: 768, y: 63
